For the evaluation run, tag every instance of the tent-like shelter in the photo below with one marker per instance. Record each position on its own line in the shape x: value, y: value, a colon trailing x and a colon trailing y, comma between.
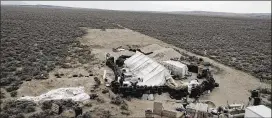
x: 150, y: 72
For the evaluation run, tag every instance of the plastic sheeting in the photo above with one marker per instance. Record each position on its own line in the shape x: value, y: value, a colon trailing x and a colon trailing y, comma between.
x: 192, y: 84
x: 74, y: 93
x: 150, y: 72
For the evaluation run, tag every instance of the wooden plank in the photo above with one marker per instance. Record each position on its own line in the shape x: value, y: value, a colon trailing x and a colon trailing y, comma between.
x: 169, y: 114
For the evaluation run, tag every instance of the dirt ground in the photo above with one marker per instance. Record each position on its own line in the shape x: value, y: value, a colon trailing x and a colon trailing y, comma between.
x: 233, y: 84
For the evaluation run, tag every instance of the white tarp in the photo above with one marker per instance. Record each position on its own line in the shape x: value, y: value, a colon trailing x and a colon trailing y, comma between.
x: 150, y: 72
x: 74, y: 93
x: 176, y: 68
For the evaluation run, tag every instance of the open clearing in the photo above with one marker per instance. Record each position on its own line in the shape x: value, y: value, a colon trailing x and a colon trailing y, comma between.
x: 233, y: 84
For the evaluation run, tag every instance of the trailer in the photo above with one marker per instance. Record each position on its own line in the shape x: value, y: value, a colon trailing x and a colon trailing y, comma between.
x: 259, y: 111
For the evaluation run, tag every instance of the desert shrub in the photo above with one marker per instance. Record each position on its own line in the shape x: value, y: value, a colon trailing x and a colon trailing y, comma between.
x: 17, y: 108
x: 4, y: 115
x: 13, y: 93
x: 66, y: 103
x: 43, y: 114
x: 36, y: 43
x: 41, y: 43
x: 87, y: 114
x: 46, y: 105
x: 100, y: 100
x: 102, y: 113
x: 2, y: 94
x: 125, y: 112
x: 20, y: 115
x: 268, y: 104
x: 12, y: 88
x: 124, y: 106
x: 269, y: 98
x: 264, y: 90
x: 117, y: 100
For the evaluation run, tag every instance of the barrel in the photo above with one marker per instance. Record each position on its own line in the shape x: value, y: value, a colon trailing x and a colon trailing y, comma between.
x: 254, y: 93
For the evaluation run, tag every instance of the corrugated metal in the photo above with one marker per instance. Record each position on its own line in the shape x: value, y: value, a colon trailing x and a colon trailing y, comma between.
x: 152, y: 73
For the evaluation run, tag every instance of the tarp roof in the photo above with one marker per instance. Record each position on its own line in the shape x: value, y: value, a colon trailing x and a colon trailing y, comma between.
x: 152, y: 73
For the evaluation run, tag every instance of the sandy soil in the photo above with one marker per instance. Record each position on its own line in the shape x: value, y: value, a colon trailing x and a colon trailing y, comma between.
x: 234, y: 84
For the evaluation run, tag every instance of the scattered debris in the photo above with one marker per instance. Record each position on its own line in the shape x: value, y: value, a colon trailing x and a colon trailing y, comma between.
x: 104, y: 75
x: 117, y: 100
x: 118, y: 49
x: 139, y: 50
x: 87, y: 103
x: 96, y: 79
x: 57, y: 75
x: 100, y: 99
x: 120, y: 60
x: 125, y: 112
x: 197, y: 110
x: 104, y: 91
x: 97, y: 82
x: 160, y: 111
x: 91, y: 74
x: 148, y: 113
x: 55, y: 108
x: 101, y: 113
x: 75, y: 75
x: 93, y: 96
x: 169, y: 114
x: 74, y: 93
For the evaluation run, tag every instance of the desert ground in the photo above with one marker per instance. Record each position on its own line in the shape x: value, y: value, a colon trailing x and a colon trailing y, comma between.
x: 234, y: 84
x: 48, y: 48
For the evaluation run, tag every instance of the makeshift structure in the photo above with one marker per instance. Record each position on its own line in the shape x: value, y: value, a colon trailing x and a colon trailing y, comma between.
x: 147, y: 71
x: 176, y: 68
x: 138, y: 74
x: 197, y: 110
